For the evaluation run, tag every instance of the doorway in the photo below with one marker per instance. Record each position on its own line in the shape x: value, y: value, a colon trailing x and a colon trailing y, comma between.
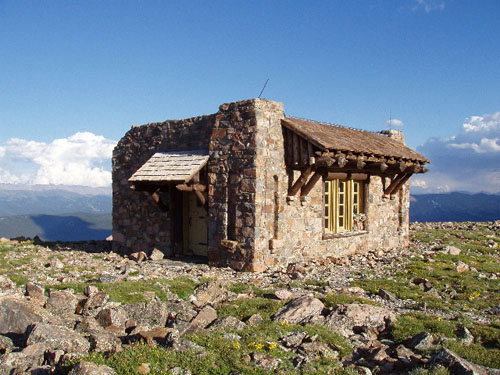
x: 195, y: 225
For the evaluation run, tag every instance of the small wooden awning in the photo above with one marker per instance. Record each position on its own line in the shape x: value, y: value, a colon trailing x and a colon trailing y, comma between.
x: 164, y: 170
x: 171, y: 167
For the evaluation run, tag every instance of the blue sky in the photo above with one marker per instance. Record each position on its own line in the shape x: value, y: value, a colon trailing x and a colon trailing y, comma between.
x: 74, y: 76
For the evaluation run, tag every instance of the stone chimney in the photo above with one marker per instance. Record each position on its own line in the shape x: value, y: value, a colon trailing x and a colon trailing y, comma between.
x: 397, y: 135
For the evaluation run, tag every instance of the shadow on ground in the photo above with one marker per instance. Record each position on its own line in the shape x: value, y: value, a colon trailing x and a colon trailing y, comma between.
x: 68, y: 228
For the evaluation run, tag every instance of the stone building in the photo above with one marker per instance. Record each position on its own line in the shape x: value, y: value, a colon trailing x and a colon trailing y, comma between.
x: 250, y: 187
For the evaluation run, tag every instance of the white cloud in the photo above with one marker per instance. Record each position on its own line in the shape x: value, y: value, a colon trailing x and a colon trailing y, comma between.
x: 394, y: 122
x: 468, y: 161
x: 429, y: 5
x: 81, y: 159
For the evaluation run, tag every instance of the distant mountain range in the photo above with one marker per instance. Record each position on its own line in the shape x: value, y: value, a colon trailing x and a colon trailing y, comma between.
x: 74, y: 213
x: 455, y: 207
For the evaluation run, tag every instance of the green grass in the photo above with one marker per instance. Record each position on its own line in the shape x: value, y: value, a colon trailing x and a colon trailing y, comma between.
x: 244, y: 308
x: 127, y: 292
x: 333, y: 299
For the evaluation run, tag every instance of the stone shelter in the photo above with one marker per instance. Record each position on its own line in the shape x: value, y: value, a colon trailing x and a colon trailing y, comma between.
x: 250, y: 188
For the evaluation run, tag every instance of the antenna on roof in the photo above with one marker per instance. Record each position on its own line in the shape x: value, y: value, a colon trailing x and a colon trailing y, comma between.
x: 261, y: 91
x: 390, y: 119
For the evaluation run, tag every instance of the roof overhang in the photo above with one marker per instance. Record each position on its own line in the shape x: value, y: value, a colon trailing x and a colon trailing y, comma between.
x: 170, y: 167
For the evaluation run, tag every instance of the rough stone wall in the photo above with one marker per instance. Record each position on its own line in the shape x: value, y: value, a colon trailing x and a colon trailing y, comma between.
x: 138, y: 223
x: 252, y: 223
x: 291, y: 229
x: 232, y: 182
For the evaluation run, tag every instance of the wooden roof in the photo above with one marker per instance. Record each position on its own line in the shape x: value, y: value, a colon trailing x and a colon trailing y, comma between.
x: 175, y: 166
x: 337, y: 138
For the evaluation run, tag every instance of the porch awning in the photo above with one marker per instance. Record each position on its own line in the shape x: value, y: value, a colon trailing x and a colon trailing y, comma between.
x: 171, y: 167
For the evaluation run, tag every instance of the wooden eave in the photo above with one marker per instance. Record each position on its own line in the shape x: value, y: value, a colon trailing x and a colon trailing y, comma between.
x: 315, y: 161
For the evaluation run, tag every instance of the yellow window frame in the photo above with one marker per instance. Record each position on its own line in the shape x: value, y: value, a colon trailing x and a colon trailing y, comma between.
x: 343, y: 200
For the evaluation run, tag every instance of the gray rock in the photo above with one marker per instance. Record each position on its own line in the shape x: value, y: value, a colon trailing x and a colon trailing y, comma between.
x: 183, y: 345
x: 319, y: 349
x: 34, y: 290
x: 254, y: 320
x: 179, y: 371
x: 89, y: 368
x: 206, y: 316
x: 389, y: 296
x: 61, y: 302
x: 57, y: 337
x: 17, y: 315
x: 452, y: 250
x: 299, y: 309
x: 6, y: 283
x: 421, y: 341
x: 211, y: 291
x: 156, y: 255
x: 265, y: 361
x: 227, y: 322
x: 104, y: 342
x: 464, y: 336
x: 283, y: 294
x: 181, y: 310
x: 152, y: 314
x: 95, y: 302
x: 112, y: 316
x: 6, y: 344
x: 345, y: 318
x: 459, y: 366
x: 294, y: 339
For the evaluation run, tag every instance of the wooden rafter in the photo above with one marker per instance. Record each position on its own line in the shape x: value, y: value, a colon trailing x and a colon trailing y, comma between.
x: 304, y: 175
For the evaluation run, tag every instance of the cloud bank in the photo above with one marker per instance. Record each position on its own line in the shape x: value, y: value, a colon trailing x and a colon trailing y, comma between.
x: 469, y: 161
x: 81, y: 159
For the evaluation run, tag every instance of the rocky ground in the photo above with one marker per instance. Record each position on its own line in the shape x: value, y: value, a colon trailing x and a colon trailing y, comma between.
x: 79, y: 308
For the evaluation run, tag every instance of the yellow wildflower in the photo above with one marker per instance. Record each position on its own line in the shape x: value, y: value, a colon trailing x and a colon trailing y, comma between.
x: 236, y: 345
x: 272, y: 345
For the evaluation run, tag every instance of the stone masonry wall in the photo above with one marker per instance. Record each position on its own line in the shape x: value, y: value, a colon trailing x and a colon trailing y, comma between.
x: 291, y: 229
x: 252, y: 223
x: 138, y: 223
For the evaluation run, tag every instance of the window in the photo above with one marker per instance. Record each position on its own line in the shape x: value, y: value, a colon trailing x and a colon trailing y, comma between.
x: 344, y: 206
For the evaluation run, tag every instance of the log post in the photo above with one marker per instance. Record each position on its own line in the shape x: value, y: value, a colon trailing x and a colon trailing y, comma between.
x: 310, y: 184
x: 300, y: 181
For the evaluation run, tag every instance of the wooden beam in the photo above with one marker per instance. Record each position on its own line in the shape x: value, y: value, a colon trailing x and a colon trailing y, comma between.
x: 337, y: 176
x: 341, y: 160
x: 360, y: 163
x: 401, y: 183
x: 295, y: 147
x: 156, y: 198
x: 200, y: 197
x: 194, y: 187
x: 394, y: 183
x: 310, y: 184
x: 325, y: 161
x: 359, y: 176
x: 300, y: 181
x: 402, y: 165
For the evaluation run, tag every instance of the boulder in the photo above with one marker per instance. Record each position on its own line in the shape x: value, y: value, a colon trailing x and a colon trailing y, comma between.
x: 89, y: 368
x: 210, y: 292
x: 57, y: 337
x: 345, y: 319
x: 112, y: 316
x: 227, y: 322
x: 104, y: 342
x: 138, y: 256
x: 94, y: 302
x: 17, y: 315
x: 294, y: 339
x: 421, y: 341
x: 452, y: 250
x: 265, y: 361
x: 464, y: 336
x: 299, y: 309
x: 181, y: 310
x: 61, y: 302
x: 459, y: 366
x: 34, y: 290
x: 6, y: 283
x: 156, y: 255
x: 254, y: 320
x: 6, y: 344
x: 206, y: 316
x: 462, y: 267
x: 183, y: 345
x: 319, y: 349
x: 283, y: 294
x: 152, y: 314
x: 388, y: 296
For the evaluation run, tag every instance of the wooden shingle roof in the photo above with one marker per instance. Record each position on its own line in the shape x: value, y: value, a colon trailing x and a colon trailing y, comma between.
x: 348, y: 140
x: 175, y: 166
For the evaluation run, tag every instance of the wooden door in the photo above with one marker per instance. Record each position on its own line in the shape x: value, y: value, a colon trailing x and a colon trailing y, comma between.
x: 195, y: 225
